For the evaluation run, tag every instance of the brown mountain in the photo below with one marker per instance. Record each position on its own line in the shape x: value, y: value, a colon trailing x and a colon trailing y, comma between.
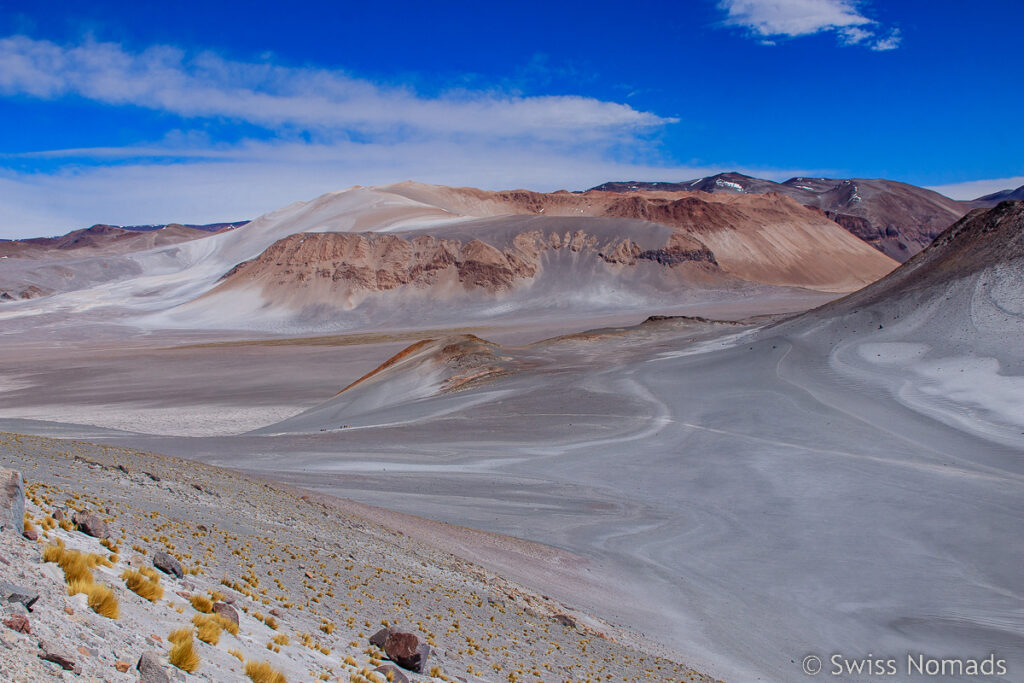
x: 896, y: 218
x: 495, y: 244
x: 991, y: 200
x: 112, y: 238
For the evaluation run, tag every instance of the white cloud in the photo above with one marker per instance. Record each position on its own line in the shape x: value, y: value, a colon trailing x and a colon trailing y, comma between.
x: 265, y: 94
x: 312, y: 118
x: 973, y: 189
x: 890, y: 42
x: 769, y: 19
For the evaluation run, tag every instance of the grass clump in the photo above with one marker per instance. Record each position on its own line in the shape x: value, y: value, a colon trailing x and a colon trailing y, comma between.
x: 226, y: 624
x: 103, y: 602
x: 207, y: 628
x: 183, y: 653
x: 262, y: 672
x: 237, y: 654
x: 201, y: 603
x: 143, y: 585
x: 179, y: 634
x: 280, y: 639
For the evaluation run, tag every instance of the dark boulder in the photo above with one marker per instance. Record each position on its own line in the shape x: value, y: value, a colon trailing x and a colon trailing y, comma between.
x: 90, y: 523
x: 167, y: 564
x: 407, y: 651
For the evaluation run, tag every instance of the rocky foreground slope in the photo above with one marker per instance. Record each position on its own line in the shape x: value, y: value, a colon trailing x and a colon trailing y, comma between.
x: 183, y: 572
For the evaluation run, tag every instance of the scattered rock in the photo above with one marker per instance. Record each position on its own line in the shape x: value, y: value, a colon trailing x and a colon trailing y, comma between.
x: 309, y: 575
x: 225, y: 610
x: 407, y: 651
x: 565, y: 620
x: 151, y: 670
x: 122, y: 666
x: 90, y: 523
x: 31, y: 534
x: 396, y: 674
x: 69, y: 611
x: 82, y: 650
x: 50, y: 653
x: 123, y: 468
x: 201, y: 527
x: 274, y: 612
x: 61, y: 513
x: 12, y: 500
x: 152, y: 477
x: 381, y: 637
x: 19, y: 623
x: 11, y: 593
x: 167, y: 564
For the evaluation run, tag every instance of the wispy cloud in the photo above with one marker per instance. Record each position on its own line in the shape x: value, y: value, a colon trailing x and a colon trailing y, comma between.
x: 322, y: 129
x: 771, y: 20
x: 973, y: 189
x: 168, y: 79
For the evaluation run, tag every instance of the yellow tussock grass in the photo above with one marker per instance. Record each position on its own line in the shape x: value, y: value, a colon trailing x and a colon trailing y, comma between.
x: 150, y: 573
x: 79, y: 586
x: 237, y: 654
x: 209, y: 632
x: 280, y: 639
x: 180, y: 634
x: 103, y: 602
x: 226, y: 624
x: 201, y: 603
x: 143, y: 586
x: 183, y: 654
x: 262, y: 672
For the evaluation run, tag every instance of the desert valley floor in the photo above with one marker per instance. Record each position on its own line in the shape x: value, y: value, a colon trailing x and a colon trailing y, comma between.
x: 731, y: 483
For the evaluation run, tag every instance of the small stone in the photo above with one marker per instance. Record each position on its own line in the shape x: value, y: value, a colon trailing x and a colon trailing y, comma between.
x: 19, y: 623
x: 69, y: 611
x: 82, y: 650
x: 309, y: 575
x: 90, y: 523
x: 167, y: 564
x: 60, y: 514
x: 31, y: 534
x: 201, y: 527
x: 277, y: 613
x: 407, y: 651
x: 151, y: 670
x: 50, y: 653
x: 122, y: 666
x: 123, y: 468
x: 225, y: 610
x: 12, y: 500
x: 396, y: 674
x: 12, y: 593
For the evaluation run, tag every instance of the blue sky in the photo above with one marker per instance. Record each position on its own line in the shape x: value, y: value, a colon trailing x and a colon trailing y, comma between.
x: 130, y: 112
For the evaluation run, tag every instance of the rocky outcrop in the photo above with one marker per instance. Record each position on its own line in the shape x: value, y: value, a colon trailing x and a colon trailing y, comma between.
x: 227, y: 611
x: 407, y: 651
x: 167, y: 564
x: 88, y: 522
x: 52, y: 653
x: 12, y: 500
x: 11, y: 593
x: 151, y: 670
